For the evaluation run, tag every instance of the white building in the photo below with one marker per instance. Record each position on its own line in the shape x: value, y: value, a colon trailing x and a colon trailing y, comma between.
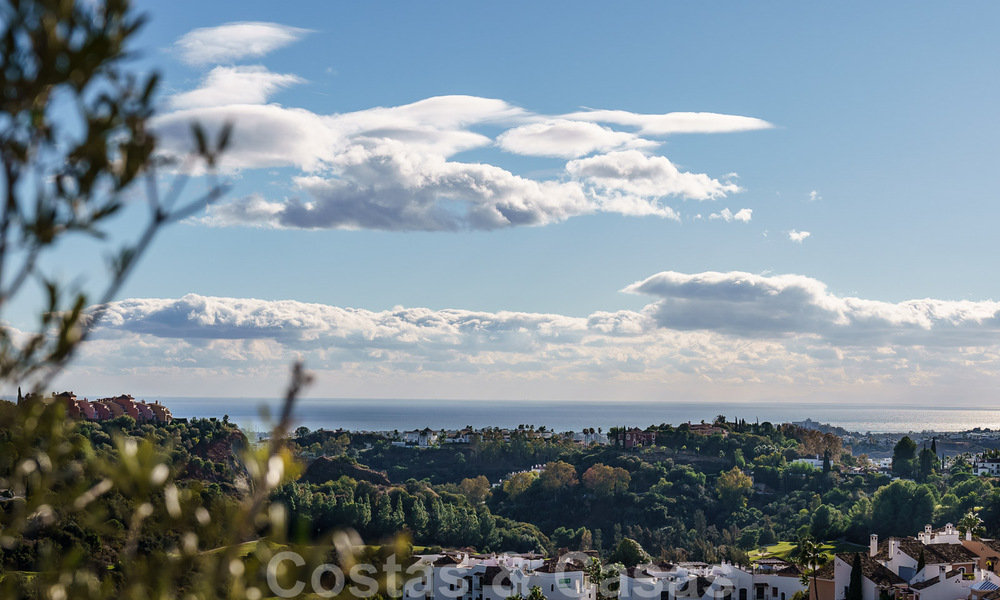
x: 814, y: 462
x: 420, y: 437
x: 989, y: 466
x: 497, y: 577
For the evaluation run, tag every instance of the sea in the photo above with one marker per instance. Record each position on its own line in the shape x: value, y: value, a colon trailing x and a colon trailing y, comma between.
x: 366, y: 414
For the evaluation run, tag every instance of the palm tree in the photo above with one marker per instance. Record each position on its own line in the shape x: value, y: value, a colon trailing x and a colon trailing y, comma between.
x: 536, y: 594
x: 971, y: 522
x: 810, y: 558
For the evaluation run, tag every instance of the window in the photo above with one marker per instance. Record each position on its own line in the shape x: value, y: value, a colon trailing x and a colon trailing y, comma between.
x: 774, y: 592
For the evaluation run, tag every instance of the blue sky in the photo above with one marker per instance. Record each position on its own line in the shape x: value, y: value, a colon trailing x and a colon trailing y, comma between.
x: 439, y: 167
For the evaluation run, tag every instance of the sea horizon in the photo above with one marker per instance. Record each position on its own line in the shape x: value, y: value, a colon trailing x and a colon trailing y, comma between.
x: 387, y: 414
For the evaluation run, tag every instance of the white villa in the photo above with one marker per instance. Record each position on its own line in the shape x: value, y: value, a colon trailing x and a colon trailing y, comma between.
x: 420, y: 437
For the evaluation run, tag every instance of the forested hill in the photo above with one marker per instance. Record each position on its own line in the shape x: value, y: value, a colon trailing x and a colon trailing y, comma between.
x: 688, y: 496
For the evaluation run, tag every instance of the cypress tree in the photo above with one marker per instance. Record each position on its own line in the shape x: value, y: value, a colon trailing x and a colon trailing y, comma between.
x: 854, y: 590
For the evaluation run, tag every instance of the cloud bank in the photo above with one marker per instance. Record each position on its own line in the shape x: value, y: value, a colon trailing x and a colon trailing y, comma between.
x: 713, y: 328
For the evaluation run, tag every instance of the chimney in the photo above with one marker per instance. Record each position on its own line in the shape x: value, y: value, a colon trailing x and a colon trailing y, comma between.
x: 893, y: 546
x: 873, y: 545
x: 949, y: 529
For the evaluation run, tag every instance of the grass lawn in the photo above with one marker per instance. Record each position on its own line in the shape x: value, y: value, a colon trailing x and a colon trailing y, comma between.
x: 787, y: 550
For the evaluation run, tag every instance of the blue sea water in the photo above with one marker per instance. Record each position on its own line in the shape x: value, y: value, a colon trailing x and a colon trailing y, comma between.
x: 389, y: 414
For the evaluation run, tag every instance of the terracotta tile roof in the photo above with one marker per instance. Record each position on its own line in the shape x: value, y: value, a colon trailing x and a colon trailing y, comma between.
x: 873, y: 570
x: 556, y: 566
x: 701, y: 585
x: 934, y: 554
x: 496, y: 576
x: 790, y: 571
x: 950, y: 553
x: 827, y: 570
x: 926, y: 583
x: 447, y: 561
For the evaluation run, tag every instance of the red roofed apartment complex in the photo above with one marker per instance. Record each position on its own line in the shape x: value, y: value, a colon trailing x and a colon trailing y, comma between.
x: 110, y: 408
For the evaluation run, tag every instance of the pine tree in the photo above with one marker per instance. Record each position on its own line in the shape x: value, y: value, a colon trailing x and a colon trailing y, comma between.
x: 419, y: 519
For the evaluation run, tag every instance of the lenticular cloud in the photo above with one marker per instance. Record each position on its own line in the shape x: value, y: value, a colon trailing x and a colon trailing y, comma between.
x: 398, y: 168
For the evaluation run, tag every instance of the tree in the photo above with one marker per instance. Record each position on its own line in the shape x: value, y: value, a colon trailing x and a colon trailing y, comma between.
x: 629, y: 553
x: 921, y: 561
x: 733, y: 487
x: 557, y: 475
x: 855, y: 590
x: 476, y: 490
x: 605, y: 578
x: 902, y: 507
x: 606, y: 481
x: 827, y: 522
x: 536, y: 593
x: 928, y: 463
x: 904, y: 456
x: 810, y: 558
x: 518, y: 483
x: 972, y: 523
x: 826, y: 461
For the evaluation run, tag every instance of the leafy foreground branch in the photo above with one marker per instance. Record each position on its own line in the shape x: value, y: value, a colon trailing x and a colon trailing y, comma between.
x: 122, y: 515
x: 75, y: 144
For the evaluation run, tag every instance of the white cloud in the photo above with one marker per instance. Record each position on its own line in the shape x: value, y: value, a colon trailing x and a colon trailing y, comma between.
x: 706, y: 328
x: 673, y: 123
x: 387, y: 187
x: 390, y: 168
x: 234, y: 85
x: 567, y: 139
x: 758, y: 305
x: 633, y: 183
x: 798, y: 236
x: 393, y: 168
x: 743, y: 215
x: 814, y: 196
x: 235, y: 41
x: 272, y: 136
